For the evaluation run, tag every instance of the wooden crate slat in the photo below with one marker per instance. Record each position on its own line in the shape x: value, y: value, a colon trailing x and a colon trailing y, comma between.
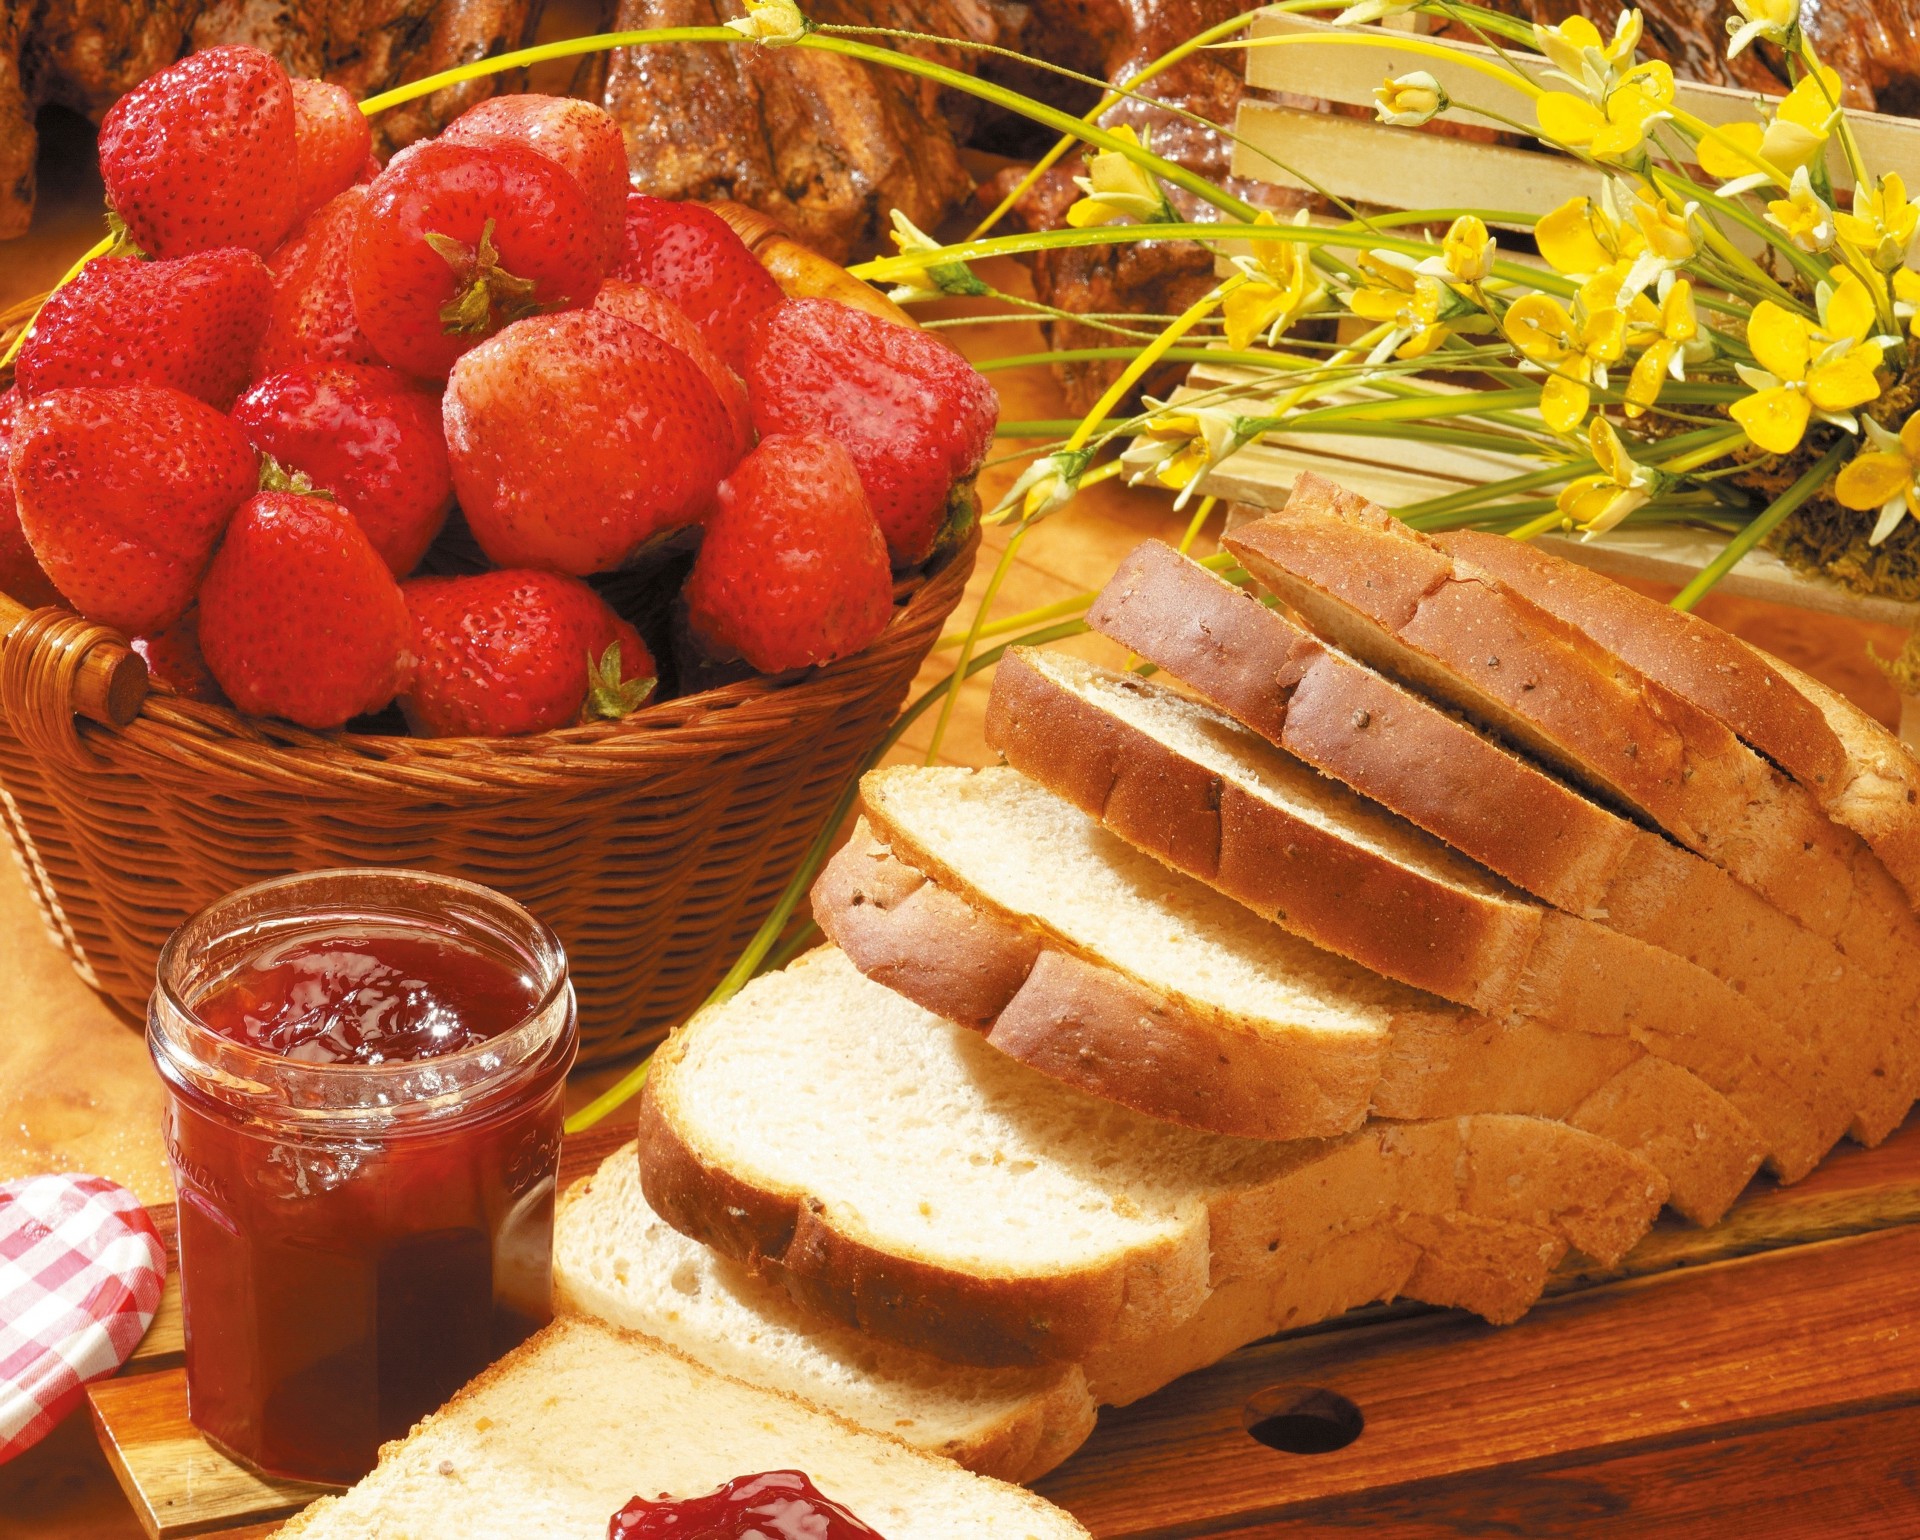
x: 1345, y: 74
x: 1377, y: 164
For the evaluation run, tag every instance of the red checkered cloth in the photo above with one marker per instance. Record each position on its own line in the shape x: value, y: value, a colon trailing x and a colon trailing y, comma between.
x: 80, y: 1273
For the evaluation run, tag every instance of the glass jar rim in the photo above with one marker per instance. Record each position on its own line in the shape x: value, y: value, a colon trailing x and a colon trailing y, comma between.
x: 260, y: 1081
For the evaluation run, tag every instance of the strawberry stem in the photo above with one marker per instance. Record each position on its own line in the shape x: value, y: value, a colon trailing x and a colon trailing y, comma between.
x: 608, y: 695
x: 480, y: 285
x: 275, y: 477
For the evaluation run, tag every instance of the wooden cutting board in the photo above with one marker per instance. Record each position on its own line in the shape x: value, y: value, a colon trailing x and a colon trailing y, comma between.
x: 1759, y: 1379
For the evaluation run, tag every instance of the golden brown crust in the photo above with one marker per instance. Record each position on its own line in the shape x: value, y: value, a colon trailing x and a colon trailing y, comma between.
x: 1080, y: 1022
x: 1464, y: 946
x: 790, y: 1238
x: 1263, y: 669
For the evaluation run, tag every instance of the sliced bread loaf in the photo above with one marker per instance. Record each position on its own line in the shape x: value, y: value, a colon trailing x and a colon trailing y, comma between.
x: 1400, y: 749
x: 893, y: 1171
x: 563, y: 1432
x: 1860, y: 773
x: 889, y: 918
x: 1210, y: 798
x: 615, y: 1259
x: 1400, y: 602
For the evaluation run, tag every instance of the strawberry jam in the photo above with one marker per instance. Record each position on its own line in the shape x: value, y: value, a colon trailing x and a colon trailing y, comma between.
x: 365, y: 1074
x: 777, y: 1505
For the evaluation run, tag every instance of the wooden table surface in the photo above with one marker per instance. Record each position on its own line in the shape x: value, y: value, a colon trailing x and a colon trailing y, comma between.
x: 78, y: 1094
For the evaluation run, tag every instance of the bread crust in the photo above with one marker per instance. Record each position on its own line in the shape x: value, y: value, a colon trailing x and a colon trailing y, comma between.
x: 1046, y: 1426
x: 1468, y: 947
x: 1079, y: 1022
x: 789, y: 1237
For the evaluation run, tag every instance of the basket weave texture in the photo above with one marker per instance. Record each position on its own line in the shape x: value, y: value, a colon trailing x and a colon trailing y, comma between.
x: 653, y: 846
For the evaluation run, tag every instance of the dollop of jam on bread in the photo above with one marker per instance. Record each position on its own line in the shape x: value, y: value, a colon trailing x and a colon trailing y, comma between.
x: 774, y: 1505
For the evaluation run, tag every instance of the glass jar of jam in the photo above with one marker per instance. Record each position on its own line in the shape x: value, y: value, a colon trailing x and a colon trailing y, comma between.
x: 365, y: 1072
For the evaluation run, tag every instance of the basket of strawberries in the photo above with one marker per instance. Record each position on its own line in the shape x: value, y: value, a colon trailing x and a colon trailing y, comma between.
x: 469, y: 513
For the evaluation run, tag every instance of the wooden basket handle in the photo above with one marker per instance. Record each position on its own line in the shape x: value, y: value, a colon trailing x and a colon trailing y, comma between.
x: 53, y: 664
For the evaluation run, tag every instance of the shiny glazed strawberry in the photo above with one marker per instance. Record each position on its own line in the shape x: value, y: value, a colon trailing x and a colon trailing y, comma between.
x: 174, y: 659
x: 332, y: 143
x: 691, y: 255
x: 201, y: 155
x: 369, y: 436
x: 311, y: 319
x: 655, y: 313
x: 915, y: 416
x: 123, y: 495
x: 583, y: 138
x: 192, y: 322
x: 20, y: 576
x: 792, y: 569
x: 458, y: 241
x: 299, y: 617
x: 504, y: 653
x: 576, y: 439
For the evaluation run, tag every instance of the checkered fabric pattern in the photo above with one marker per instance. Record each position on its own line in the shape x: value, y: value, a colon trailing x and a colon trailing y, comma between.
x: 80, y: 1273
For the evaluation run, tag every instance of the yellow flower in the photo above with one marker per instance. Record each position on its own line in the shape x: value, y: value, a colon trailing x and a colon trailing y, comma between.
x: 932, y: 279
x: 1795, y: 136
x: 1117, y: 187
x: 1282, y: 285
x: 1886, y: 477
x: 1806, y: 371
x: 1575, y: 350
x: 1581, y: 58
x: 1775, y: 20
x: 1582, y: 236
x: 1619, y: 126
x: 1667, y: 232
x: 1410, y: 100
x: 1882, y: 223
x: 1467, y: 251
x: 1196, y: 437
x: 1597, y: 503
x: 772, y: 22
x: 1048, y: 483
x: 1373, y: 10
x: 1802, y: 216
x: 1906, y: 298
x: 1676, y: 329
x: 1408, y: 303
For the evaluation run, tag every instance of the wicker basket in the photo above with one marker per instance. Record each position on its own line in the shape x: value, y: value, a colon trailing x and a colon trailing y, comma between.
x: 654, y: 846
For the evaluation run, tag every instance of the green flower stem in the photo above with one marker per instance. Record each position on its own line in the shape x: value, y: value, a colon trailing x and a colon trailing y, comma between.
x: 1197, y: 523
x: 1539, y: 526
x: 764, y: 939
x: 520, y: 58
x: 1056, y: 427
x: 1803, y: 264
x: 1759, y: 528
x: 1705, y: 454
x: 1251, y: 360
x: 1341, y: 237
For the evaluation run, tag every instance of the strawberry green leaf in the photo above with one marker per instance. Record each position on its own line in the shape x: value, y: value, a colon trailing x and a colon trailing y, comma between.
x: 609, y: 697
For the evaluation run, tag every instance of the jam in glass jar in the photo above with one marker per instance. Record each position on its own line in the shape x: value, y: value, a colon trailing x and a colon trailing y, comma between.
x: 365, y: 1072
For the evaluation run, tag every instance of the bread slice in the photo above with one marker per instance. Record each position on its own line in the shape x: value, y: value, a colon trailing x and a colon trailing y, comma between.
x: 1401, y: 603
x: 1210, y: 798
x: 889, y: 919
x: 893, y: 1171
x: 563, y: 1432
x: 615, y: 1259
x: 1265, y: 670
x: 1862, y: 775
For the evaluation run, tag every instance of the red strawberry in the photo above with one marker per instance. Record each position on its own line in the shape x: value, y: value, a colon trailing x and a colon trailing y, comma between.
x: 123, y: 494
x: 369, y: 436
x: 461, y: 239
x: 504, y: 653
x: 193, y: 323
x: 915, y: 416
x: 575, y: 439
x: 792, y: 570
x: 20, y: 576
x: 583, y: 138
x: 311, y: 320
x: 202, y: 154
x: 691, y: 255
x: 655, y: 313
x: 174, y: 658
x: 299, y: 617
x: 332, y: 143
